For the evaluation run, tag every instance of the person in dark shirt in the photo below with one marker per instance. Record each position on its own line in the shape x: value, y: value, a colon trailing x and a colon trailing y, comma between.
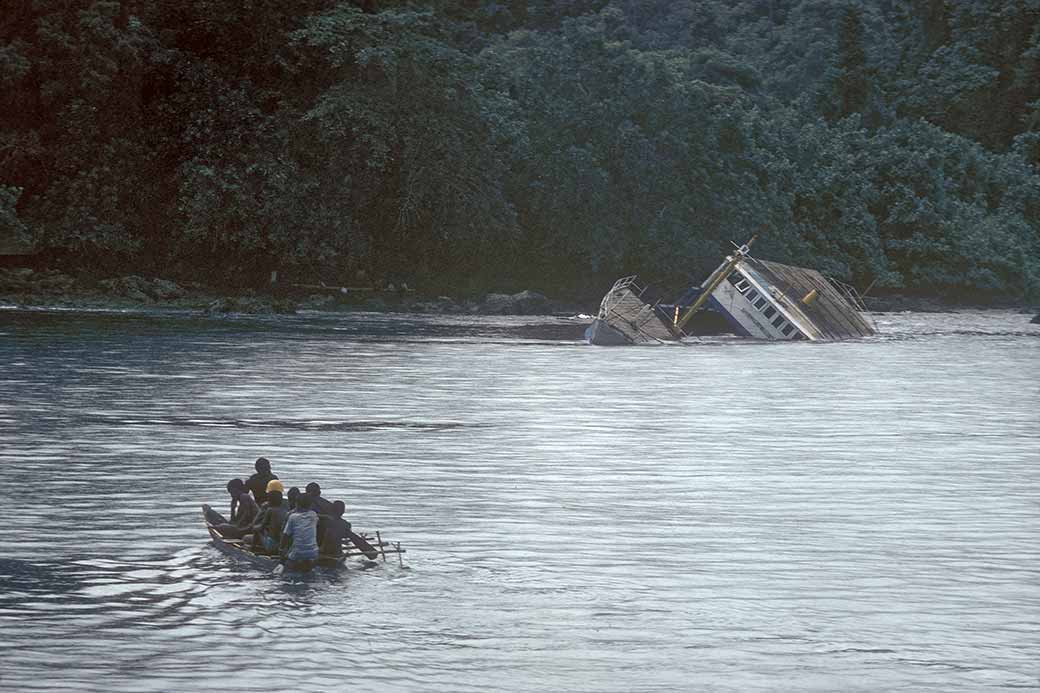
x: 321, y: 506
x: 318, y: 504
x: 257, y: 484
x: 334, y: 530
x: 267, y: 527
x: 292, y: 495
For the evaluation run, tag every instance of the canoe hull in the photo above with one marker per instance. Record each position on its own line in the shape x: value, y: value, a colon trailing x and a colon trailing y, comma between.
x: 235, y: 549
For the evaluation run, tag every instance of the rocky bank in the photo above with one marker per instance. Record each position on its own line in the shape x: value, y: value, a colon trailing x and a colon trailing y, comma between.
x: 51, y: 288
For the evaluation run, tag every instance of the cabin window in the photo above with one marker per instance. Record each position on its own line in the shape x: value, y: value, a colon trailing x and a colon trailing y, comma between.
x: 742, y: 286
x: 787, y: 329
x: 779, y: 321
x: 759, y: 303
x: 798, y: 336
x: 770, y: 311
x: 752, y: 295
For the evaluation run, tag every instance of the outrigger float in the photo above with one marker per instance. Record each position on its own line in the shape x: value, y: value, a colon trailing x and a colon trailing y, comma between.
x: 368, y: 552
x: 759, y: 299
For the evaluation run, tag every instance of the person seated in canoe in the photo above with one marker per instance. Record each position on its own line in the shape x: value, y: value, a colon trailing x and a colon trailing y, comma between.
x: 267, y: 528
x: 234, y: 489
x: 333, y: 530
x: 273, y: 486
x: 243, y: 512
x: 291, y: 497
x: 299, y: 537
x: 318, y: 504
x: 257, y: 484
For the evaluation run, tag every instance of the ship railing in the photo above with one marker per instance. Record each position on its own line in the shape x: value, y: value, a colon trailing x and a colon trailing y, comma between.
x: 609, y: 312
x: 629, y: 283
x: 849, y: 293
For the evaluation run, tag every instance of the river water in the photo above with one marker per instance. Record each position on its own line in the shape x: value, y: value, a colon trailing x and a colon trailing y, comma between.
x: 721, y: 515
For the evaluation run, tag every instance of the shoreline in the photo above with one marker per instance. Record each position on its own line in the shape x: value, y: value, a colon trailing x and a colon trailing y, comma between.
x: 49, y: 289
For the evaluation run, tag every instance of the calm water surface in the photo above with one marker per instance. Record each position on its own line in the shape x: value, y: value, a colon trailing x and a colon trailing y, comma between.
x: 721, y: 515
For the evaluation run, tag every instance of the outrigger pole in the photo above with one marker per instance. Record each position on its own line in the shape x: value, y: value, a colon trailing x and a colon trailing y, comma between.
x: 714, y: 280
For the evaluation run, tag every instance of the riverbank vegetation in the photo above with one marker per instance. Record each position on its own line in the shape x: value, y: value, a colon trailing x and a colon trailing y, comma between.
x: 497, y: 145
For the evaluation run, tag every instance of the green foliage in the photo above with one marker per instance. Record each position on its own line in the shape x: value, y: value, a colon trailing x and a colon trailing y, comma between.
x: 971, y: 68
x: 493, y: 145
x: 847, y: 78
x: 403, y: 112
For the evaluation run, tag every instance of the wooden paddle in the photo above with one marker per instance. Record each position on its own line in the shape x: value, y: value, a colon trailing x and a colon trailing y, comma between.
x: 363, y: 546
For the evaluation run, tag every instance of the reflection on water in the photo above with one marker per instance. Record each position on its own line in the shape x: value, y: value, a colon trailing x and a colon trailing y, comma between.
x: 721, y: 514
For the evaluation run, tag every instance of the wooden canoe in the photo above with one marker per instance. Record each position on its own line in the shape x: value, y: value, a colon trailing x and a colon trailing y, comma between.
x: 237, y: 549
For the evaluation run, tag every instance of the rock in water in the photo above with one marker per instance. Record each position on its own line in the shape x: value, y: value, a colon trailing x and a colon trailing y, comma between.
x: 524, y: 303
x: 164, y: 289
x: 497, y: 304
x: 531, y: 303
x: 250, y: 305
x: 143, y: 289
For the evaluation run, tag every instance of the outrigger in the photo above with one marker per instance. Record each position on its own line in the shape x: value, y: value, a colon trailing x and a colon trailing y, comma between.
x: 759, y: 299
x: 367, y: 549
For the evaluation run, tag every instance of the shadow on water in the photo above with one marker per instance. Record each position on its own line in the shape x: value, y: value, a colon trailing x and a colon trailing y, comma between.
x: 101, y: 587
x: 19, y: 578
x: 368, y: 327
x: 281, y: 424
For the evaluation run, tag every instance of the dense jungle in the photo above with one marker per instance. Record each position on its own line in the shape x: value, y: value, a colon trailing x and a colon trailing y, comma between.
x: 473, y: 145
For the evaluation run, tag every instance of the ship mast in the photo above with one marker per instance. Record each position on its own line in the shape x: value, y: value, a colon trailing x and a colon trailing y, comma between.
x: 714, y: 280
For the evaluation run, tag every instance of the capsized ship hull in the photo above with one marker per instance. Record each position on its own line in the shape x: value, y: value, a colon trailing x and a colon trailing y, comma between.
x: 759, y: 299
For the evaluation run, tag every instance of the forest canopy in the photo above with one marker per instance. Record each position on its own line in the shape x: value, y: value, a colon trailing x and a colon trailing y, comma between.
x: 557, y: 144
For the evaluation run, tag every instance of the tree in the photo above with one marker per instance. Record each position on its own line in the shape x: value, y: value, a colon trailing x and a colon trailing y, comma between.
x: 414, y: 131
x: 847, y: 87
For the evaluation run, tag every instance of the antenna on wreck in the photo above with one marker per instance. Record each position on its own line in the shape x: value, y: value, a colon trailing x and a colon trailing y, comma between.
x: 714, y: 280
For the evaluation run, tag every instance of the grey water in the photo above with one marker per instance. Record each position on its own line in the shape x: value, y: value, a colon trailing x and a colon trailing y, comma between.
x: 721, y: 515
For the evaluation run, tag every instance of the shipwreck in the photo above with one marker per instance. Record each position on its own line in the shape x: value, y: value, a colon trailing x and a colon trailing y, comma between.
x: 758, y: 299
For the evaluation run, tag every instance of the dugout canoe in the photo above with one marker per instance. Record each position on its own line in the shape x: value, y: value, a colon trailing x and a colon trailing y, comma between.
x: 236, y: 549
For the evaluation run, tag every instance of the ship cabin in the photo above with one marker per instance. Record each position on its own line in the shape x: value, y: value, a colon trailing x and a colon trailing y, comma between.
x: 768, y: 300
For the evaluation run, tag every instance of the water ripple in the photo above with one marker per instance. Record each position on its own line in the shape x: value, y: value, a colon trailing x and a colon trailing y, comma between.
x: 725, y: 515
